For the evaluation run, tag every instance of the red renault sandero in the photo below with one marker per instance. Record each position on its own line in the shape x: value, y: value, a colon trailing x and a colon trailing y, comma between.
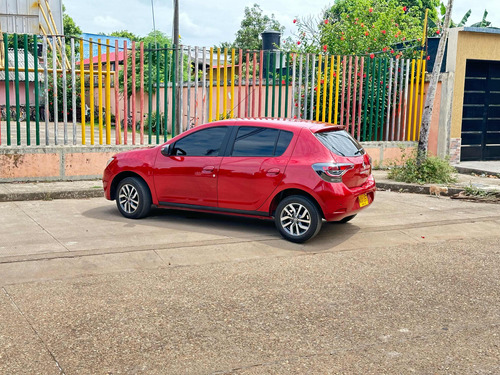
x: 297, y: 172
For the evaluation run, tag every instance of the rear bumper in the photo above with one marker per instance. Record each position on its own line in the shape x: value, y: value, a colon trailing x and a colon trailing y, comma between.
x: 338, y: 201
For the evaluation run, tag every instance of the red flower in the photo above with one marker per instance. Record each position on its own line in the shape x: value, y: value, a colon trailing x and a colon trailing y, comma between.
x: 370, y: 10
x: 283, y: 82
x: 428, y: 57
x: 362, y: 25
x: 294, y: 21
x: 325, y: 47
x: 383, y: 32
x: 392, y: 51
x: 404, y: 8
x: 322, y: 81
x: 296, y: 105
x: 437, y: 31
x: 326, y: 22
x: 384, y: 49
x: 404, y: 38
x: 294, y: 116
x: 342, y: 38
x: 298, y: 43
x: 367, y: 33
x: 334, y: 74
x: 372, y: 55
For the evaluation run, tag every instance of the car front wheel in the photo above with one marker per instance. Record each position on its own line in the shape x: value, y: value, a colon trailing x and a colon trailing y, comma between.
x: 297, y: 219
x: 133, y: 198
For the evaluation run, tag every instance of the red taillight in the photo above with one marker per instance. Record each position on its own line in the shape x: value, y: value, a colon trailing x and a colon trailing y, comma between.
x: 332, y: 172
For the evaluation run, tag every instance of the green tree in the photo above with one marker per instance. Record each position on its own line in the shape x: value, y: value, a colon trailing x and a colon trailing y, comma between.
x: 126, y: 34
x: 253, y: 24
x: 361, y: 27
x: 419, y: 7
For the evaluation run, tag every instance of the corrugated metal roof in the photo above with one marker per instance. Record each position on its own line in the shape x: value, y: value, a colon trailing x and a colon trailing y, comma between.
x: 31, y: 64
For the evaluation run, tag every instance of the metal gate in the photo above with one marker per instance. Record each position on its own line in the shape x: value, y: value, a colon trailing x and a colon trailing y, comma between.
x: 481, y: 111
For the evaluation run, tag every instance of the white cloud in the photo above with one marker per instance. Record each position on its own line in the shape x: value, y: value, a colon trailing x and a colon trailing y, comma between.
x: 108, y: 23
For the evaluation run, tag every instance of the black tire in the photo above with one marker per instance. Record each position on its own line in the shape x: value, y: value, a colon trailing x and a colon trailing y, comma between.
x: 346, y: 219
x: 133, y: 198
x: 297, y: 219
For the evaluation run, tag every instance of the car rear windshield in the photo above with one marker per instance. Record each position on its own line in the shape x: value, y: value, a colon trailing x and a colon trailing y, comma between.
x: 340, y: 143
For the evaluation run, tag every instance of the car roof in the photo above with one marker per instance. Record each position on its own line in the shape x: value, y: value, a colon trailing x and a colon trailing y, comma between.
x: 290, y: 124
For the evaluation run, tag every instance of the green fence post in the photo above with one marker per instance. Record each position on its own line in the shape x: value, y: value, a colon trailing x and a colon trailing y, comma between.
x: 379, y: 77
x: 158, y: 117
x: 383, y: 101
x: 280, y: 75
x: 273, y: 96
x: 16, y: 75
x: 7, y: 85
x: 37, y: 99
x: 27, y: 89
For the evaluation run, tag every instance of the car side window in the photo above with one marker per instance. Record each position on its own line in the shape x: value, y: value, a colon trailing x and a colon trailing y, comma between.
x: 258, y: 141
x: 206, y: 142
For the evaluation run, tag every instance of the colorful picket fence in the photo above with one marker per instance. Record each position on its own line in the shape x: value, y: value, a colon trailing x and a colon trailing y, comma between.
x: 144, y: 94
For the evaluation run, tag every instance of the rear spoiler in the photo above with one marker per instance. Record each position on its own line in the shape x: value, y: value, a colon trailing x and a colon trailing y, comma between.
x: 327, y: 128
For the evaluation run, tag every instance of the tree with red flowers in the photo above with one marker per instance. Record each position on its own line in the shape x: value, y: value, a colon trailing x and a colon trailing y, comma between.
x: 361, y: 27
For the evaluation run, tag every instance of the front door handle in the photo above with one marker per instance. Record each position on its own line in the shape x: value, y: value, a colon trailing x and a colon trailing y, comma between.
x: 208, y: 169
x: 273, y: 172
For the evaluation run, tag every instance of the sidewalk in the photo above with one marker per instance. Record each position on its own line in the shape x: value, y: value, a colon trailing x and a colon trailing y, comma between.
x: 473, y: 174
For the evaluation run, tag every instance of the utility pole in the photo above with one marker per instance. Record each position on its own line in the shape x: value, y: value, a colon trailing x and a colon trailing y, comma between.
x: 431, y: 91
x: 176, y: 23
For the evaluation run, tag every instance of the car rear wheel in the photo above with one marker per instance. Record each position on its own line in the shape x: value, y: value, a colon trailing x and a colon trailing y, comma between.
x: 133, y: 198
x: 297, y: 219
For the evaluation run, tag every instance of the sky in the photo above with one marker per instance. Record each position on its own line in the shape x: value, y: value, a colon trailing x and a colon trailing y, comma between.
x: 211, y: 22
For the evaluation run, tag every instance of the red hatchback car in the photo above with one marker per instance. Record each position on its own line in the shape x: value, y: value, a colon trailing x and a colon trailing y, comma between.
x: 298, y: 172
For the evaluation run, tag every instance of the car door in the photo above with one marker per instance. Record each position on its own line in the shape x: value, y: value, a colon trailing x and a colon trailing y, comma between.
x: 188, y: 174
x: 253, y: 167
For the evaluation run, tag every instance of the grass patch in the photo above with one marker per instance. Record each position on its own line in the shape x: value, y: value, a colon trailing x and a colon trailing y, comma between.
x: 433, y: 170
x: 472, y: 191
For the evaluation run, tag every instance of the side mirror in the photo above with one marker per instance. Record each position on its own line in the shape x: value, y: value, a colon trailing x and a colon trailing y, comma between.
x: 165, y: 150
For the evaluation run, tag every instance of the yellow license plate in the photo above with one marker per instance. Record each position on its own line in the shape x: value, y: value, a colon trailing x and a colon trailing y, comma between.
x: 363, y: 200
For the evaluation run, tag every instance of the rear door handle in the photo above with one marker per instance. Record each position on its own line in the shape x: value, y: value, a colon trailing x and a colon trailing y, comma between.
x: 273, y: 172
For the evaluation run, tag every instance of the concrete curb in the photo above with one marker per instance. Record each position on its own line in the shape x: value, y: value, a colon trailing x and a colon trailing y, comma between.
x: 50, y: 195
x: 411, y: 188
x: 479, y: 172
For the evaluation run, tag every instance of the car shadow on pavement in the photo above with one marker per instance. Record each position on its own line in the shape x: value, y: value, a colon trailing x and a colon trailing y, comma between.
x: 244, y: 228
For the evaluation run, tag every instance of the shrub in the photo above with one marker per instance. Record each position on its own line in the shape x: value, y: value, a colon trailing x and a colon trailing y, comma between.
x: 432, y: 170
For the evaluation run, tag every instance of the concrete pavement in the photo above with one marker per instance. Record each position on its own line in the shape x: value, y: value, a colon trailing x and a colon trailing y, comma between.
x: 409, y: 286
